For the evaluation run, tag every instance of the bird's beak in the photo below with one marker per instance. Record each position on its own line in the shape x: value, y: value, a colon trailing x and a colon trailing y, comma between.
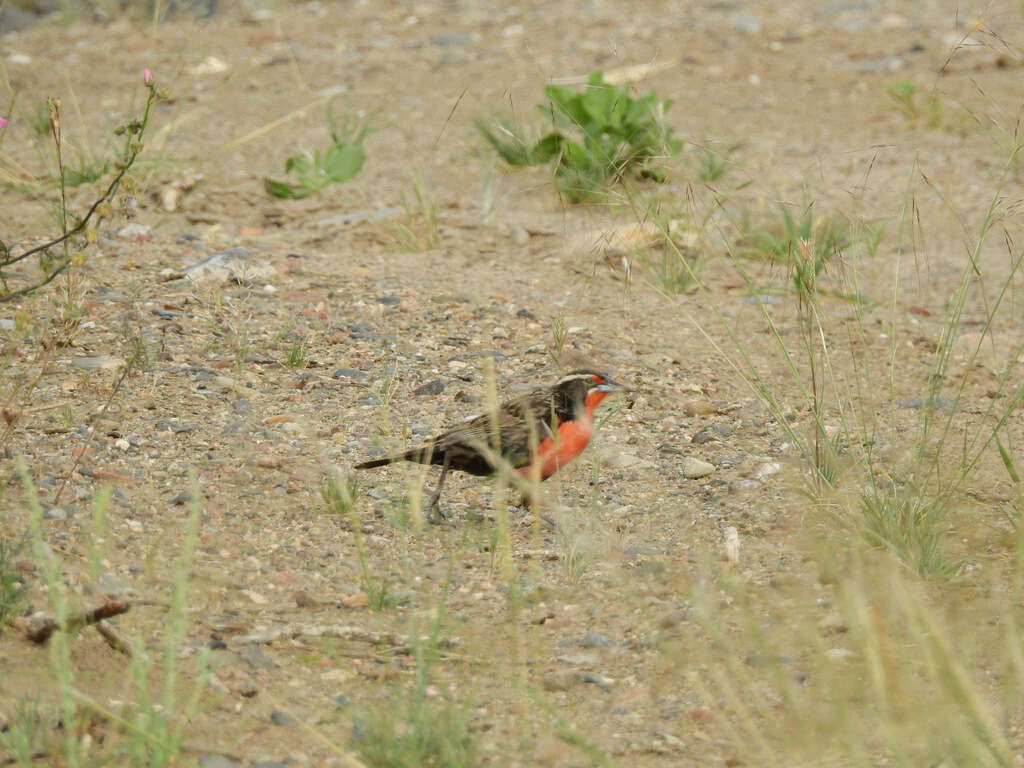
x: 608, y: 385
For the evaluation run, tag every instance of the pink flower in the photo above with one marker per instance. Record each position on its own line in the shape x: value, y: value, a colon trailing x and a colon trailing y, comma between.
x: 3, y: 122
x: 147, y: 76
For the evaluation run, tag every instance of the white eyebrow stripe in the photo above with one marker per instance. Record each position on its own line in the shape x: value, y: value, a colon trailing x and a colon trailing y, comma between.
x: 576, y: 377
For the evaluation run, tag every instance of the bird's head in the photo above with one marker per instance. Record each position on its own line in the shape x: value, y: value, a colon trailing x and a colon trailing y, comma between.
x: 588, y: 387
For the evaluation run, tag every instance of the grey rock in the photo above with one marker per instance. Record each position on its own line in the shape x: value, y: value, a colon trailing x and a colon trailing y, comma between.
x: 216, y: 761
x: 602, y: 682
x: 349, y: 373
x: 237, y: 264
x: 368, y: 399
x: 435, y: 387
x: 97, y: 362
x: 177, y: 427
x: 133, y: 231
x: 282, y: 718
x: 710, y: 434
x: 256, y: 658
x: 356, y: 217
x: 595, y: 640
x: 110, y: 585
x: 55, y: 513
x: 745, y: 23
x: 13, y: 18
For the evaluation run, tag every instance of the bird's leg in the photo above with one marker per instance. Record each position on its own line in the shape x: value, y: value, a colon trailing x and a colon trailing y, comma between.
x: 434, y: 513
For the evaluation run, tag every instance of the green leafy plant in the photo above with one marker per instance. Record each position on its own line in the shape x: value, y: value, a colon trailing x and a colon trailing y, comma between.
x: 599, y: 136
x: 339, y: 163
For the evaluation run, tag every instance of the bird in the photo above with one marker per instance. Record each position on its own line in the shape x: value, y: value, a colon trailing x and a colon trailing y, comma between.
x: 534, y: 435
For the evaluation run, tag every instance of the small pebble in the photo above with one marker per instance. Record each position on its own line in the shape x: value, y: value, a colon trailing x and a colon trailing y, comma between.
x: 695, y: 468
x: 282, y: 718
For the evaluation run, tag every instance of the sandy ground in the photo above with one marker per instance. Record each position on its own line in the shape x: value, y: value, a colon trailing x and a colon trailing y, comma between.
x: 590, y: 626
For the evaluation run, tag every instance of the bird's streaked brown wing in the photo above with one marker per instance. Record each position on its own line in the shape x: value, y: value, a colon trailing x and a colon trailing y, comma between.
x: 521, y: 424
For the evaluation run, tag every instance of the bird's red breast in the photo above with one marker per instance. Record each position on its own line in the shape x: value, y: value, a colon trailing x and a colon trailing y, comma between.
x: 570, y: 439
x: 554, y: 453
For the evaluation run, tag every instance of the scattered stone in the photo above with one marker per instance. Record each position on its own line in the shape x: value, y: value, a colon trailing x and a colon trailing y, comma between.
x: 256, y: 658
x: 97, y: 362
x: 110, y: 585
x: 356, y: 217
x: 710, y: 434
x: 134, y: 231
x: 499, y: 333
x: 699, y: 406
x: 526, y: 315
x: 177, y: 427
x: 621, y: 460
x: 695, y: 468
x: 732, y: 544
x: 255, y: 596
x: 595, y: 640
x: 767, y: 470
x: 303, y: 599
x: 216, y: 761
x: 282, y: 718
x: 562, y: 680
x: 602, y: 682
x: 181, y: 498
x: 368, y: 399
x: 389, y: 300
x: 579, y: 659
x: 745, y: 23
x: 832, y: 624
x: 435, y: 387
x: 940, y: 403
x: 55, y: 513
x: 237, y: 264
x: 349, y: 373
x: 358, y: 600
x: 519, y: 235
x: 838, y: 654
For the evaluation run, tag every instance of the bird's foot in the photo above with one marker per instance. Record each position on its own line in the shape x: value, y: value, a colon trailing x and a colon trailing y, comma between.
x: 438, y: 516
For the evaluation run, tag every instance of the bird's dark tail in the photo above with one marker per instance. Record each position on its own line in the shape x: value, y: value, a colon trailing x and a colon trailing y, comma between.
x: 379, y: 462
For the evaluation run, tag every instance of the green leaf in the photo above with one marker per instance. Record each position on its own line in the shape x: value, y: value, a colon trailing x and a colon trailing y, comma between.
x: 343, y: 161
x: 299, y: 163
x: 282, y: 190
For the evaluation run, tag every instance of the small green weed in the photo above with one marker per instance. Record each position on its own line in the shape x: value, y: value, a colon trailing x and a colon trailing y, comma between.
x: 26, y: 735
x: 339, y: 163
x: 418, y: 230
x: 712, y: 163
x: 87, y: 170
x: 599, y: 136
x: 339, y: 494
x: 910, y: 526
x: 297, y: 354
x: 419, y: 728
x: 915, y: 108
x: 12, y: 585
